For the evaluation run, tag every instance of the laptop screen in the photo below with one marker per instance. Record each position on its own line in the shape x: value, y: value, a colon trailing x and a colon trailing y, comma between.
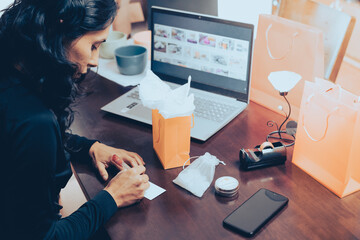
x: 215, y: 52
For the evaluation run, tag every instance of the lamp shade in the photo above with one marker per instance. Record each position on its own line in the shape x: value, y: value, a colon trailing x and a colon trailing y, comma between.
x: 284, y: 81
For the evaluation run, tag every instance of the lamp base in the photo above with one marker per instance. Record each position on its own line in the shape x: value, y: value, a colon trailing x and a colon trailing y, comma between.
x: 289, y: 142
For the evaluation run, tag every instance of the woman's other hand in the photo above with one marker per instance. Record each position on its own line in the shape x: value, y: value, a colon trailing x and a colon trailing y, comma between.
x: 103, y: 156
x: 128, y: 186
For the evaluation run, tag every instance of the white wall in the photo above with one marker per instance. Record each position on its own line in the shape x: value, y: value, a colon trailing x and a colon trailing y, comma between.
x: 246, y: 11
x: 5, y: 4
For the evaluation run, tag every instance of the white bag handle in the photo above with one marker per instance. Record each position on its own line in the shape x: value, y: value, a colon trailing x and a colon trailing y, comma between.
x: 327, y: 117
x: 268, y: 48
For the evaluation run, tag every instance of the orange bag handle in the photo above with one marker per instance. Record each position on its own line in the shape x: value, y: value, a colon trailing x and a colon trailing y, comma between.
x: 158, y: 135
x: 268, y: 48
x: 158, y: 138
x: 193, y: 121
x: 327, y: 117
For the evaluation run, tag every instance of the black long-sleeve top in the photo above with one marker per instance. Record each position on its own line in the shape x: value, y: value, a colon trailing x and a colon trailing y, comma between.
x: 34, y: 168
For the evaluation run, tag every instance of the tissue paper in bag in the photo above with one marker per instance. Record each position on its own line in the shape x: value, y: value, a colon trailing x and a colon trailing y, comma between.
x: 172, y: 119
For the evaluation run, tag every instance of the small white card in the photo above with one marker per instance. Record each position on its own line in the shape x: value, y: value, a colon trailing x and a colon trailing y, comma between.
x: 153, y: 191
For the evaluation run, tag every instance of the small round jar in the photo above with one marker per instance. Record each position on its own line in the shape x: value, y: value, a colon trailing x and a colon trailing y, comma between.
x: 227, y: 186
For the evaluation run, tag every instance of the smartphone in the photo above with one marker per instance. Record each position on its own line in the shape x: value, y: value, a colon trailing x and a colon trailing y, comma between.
x: 255, y: 212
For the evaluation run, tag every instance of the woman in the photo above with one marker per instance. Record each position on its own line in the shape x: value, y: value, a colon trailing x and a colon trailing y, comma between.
x: 46, y: 48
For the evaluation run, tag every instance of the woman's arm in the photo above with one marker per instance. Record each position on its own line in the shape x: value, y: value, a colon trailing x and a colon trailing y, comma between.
x: 78, y: 147
x: 87, y: 219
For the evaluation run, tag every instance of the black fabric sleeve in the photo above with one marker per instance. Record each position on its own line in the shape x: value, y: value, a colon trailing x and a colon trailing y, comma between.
x: 78, y: 147
x: 35, y: 168
x: 29, y: 202
x: 31, y: 207
x: 87, y: 219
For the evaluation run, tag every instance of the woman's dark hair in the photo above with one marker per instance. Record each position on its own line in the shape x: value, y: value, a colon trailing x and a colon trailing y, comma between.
x: 34, y: 35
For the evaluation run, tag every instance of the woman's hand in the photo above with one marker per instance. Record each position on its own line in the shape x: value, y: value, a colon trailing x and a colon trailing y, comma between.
x: 128, y: 186
x: 103, y: 156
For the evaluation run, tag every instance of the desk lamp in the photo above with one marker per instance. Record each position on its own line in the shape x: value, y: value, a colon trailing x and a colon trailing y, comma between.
x: 284, y: 81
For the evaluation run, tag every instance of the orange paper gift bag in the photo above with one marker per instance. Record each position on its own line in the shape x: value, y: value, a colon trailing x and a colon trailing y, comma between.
x: 284, y: 45
x: 171, y: 139
x: 328, y: 137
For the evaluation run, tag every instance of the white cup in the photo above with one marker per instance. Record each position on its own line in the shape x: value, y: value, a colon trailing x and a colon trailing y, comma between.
x: 115, y: 40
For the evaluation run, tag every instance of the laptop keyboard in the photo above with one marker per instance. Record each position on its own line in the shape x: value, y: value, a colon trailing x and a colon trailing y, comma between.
x: 205, y: 108
x: 212, y: 110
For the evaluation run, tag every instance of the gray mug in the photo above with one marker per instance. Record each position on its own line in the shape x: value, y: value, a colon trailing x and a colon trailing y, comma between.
x: 131, y: 59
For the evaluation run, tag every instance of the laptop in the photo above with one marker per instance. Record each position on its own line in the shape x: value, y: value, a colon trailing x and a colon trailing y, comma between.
x: 215, y: 52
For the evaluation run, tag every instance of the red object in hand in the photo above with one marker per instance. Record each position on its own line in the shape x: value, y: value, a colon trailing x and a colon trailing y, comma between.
x: 115, y: 158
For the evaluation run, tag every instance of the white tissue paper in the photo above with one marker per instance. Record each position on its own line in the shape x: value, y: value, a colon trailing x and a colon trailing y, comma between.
x: 284, y: 81
x: 197, y: 177
x: 156, y: 94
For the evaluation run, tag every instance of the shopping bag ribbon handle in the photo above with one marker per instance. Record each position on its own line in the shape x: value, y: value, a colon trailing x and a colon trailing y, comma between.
x: 193, y: 121
x: 158, y: 135
x: 327, y: 117
x: 268, y: 48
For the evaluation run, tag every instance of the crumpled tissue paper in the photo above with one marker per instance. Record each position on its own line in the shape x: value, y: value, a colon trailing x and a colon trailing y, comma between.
x: 156, y: 94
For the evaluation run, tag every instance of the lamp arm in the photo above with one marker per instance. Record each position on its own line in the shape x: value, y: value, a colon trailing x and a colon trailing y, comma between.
x: 278, y: 130
x: 287, y: 116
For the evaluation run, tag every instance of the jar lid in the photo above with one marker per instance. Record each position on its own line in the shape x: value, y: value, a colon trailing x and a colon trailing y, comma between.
x: 226, y: 186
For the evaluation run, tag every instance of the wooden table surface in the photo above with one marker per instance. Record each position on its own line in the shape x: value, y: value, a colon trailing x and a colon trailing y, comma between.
x: 313, y: 211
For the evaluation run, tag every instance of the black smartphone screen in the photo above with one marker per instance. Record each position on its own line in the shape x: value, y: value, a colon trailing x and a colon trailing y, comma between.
x: 255, y: 212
